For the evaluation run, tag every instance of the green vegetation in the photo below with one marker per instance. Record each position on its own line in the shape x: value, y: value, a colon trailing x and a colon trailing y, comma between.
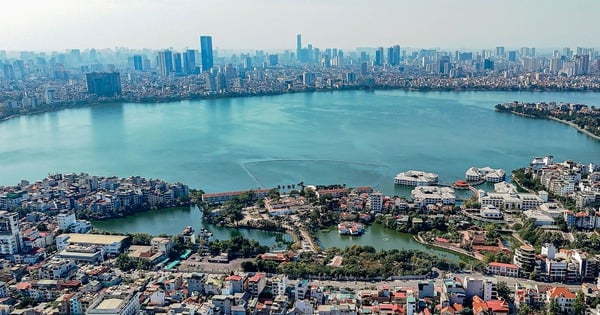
x: 588, y: 243
x: 230, y: 212
x: 588, y: 120
x: 538, y: 237
x: 579, y: 306
x: 524, y: 180
x: 237, y: 247
x: 260, y: 265
x: 366, y: 262
x: 125, y: 263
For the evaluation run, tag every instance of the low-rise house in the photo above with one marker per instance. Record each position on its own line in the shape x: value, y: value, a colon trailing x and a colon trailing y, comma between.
x: 503, y: 269
x: 563, y: 297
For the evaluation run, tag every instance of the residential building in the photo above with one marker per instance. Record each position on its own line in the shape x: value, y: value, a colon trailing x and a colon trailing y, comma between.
x: 107, y: 84
x: 525, y: 257
x: 11, y: 240
x: 376, y: 201
x: 503, y: 269
x: 118, y: 300
x: 563, y: 297
x: 257, y: 283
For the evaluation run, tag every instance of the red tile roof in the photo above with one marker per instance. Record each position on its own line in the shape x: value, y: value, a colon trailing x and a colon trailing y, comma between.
x: 499, y: 264
x: 561, y: 292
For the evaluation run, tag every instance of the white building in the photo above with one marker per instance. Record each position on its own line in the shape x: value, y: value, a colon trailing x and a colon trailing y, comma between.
x: 563, y: 297
x: 540, y: 217
x: 56, y: 269
x: 120, y: 300
x: 487, y: 173
x: 503, y: 269
x: 431, y: 195
x: 65, y: 219
x: 416, y: 178
x: 539, y: 162
x: 490, y: 212
x: 506, y: 197
x: 11, y: 240
x: 110, y: 244
x: 279, y: 284
x: 376, y: 201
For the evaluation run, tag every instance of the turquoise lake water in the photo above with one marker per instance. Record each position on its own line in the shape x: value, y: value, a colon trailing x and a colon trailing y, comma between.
x: 351, y: 137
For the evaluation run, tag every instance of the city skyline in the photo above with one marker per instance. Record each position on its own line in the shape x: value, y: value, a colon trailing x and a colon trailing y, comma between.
x: 273, y: 25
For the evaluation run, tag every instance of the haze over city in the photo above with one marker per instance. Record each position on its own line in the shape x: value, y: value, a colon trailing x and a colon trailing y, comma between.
x: 270, y: 24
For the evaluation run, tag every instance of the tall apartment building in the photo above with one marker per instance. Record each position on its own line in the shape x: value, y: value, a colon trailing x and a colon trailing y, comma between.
x: 11, y: 241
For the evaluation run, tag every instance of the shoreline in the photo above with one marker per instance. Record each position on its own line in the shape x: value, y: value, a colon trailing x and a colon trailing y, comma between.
x: 82, y: 104
x: 460, y: 252
x: 586, y: 132
x: 550, y: 117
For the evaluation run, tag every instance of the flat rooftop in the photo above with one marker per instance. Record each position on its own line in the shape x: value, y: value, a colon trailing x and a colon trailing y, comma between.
x: 109, y: 304
x: 96, y: 239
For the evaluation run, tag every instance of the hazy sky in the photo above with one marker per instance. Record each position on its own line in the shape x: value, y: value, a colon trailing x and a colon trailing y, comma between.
x: 273, y: 24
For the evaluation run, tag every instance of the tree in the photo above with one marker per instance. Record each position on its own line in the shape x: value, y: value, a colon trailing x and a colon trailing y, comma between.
x: 504, y: 291
x: 524, y: 309
x: 553, y: 308
x: 467, y: 311
x: 125, y: 263
x: 579, y: 306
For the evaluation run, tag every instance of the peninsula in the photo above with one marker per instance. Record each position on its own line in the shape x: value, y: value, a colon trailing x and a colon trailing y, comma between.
x: 92, y: 197
x: 582, y: 117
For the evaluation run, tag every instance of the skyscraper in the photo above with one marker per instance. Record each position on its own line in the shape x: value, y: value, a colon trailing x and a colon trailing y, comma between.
x: 165, y: 62
x: 137, y: 62
x: 379, y: 56
x: 299, y: 47
x: 394, y: 55
x: 104, y: 83
x: 189, y: 61
x: 177, y: 62
x: 206, y: 51
x: 500, y: 51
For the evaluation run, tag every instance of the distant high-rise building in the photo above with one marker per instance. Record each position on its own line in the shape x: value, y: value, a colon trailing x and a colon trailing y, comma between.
x: 165, y: 62
x: 104, y: 83
x: 206, y: 51
x: 177, y: 63
x: 394, y: 55
x: 137, y: 63
x: 582, y: 64
x: 189, y: 61
x: 9, y: 73
x: 379, y: 56
x: 273, y: 60
x: 248, y: 63
x: 299, y: 47
x: 488, y: 64
x: 512, y: 55
x: 500, y: 51
x: 555, y: 65
x: 308, y: 78
x: 363, y: 56
x: 364, y: 68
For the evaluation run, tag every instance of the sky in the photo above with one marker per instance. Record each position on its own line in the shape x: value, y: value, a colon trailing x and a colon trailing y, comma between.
x: 56, y: 25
